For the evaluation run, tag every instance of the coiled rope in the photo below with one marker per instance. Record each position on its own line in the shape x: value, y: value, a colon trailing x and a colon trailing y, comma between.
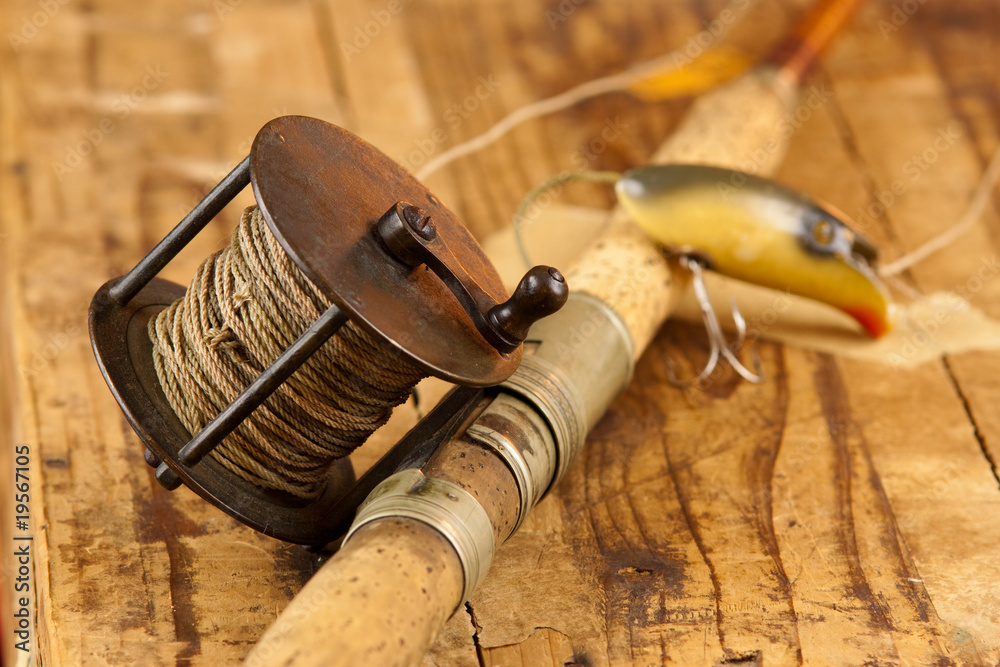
x: 245, y: 305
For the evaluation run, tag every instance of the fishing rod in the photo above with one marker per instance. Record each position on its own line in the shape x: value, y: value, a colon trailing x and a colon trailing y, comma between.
x: 230, y: 402
x: 382, y: 598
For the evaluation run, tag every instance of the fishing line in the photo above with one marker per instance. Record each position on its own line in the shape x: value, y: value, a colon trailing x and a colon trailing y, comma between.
x: 606, y: 177
x: 714, y: 66
x: 972, y: 214
x: 246, y: 304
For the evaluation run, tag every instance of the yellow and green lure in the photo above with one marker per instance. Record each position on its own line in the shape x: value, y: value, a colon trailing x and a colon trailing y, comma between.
x: 758, y: 231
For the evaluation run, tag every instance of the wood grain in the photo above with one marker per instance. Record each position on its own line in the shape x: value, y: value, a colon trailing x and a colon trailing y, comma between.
x: 842, y: 513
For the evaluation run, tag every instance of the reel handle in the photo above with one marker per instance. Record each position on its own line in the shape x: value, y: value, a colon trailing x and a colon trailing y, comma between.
x: 409, y: 236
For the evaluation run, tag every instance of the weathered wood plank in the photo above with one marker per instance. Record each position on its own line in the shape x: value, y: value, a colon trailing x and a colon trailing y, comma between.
x: 974, y: 96
x: 913, y: 132
x: 841, y: 513
x: 545, y: 648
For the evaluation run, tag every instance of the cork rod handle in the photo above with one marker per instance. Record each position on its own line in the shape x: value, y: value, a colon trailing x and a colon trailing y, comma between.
x: 381, y: 600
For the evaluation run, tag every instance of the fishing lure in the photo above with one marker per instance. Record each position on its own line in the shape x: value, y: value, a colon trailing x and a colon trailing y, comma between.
x: 748, y: 228
x: 756, y: 230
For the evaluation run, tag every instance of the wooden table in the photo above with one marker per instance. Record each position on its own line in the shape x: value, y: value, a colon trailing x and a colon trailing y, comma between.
x: 841, y: 513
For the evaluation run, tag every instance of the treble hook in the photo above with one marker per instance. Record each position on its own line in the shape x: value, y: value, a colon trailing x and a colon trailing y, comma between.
x: 720, y: 347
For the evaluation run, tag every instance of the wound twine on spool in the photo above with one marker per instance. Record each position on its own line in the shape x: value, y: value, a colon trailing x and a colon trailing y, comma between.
x: 245, y: 305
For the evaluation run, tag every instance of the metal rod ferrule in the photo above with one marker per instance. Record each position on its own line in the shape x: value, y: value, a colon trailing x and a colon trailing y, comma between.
x: 263, y: 386
x: 442, y: 505
x: 518, y: 433
x: 181, y: 235
x: 569, y: 388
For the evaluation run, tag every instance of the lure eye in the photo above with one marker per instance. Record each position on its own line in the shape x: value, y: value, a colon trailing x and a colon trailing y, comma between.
x: 823, y: 233
x: 824, y: 236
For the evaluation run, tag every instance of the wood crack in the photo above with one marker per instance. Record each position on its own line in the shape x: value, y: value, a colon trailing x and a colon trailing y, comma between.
x: 976, y: 430
x: 475, y: 634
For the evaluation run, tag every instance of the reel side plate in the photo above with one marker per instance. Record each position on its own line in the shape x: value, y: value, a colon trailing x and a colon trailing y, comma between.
x: 322, y: 191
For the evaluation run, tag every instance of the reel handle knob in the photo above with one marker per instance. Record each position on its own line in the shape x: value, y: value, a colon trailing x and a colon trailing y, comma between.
x: 408, y: 234
x: 541, y: 292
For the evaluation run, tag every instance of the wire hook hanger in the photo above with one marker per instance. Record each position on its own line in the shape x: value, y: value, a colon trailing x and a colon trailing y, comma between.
x: 719, y: 346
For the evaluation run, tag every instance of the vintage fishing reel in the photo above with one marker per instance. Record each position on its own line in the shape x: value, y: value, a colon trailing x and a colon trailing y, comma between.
x: 392, y: 260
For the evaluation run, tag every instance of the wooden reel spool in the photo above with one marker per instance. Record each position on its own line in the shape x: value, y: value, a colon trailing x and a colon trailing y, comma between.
x: 389, y: 256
